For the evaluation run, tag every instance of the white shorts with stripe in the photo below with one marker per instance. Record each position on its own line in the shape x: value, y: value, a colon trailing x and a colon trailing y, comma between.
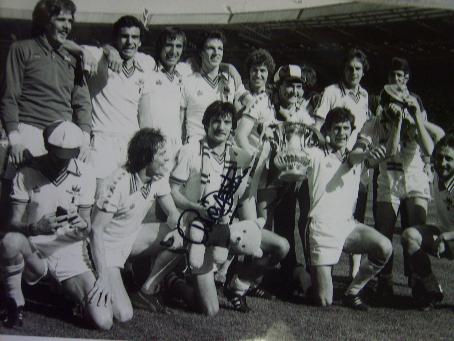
x: 118, y: 251
x: 67, y: 262
x: 32, y: 138
x: 396, y: 185
x: 326, y: 240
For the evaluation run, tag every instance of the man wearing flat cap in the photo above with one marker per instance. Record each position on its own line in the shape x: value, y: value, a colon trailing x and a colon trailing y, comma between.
x: 51, y: 197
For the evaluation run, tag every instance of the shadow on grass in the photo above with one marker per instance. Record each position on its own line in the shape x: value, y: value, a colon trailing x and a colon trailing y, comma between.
x: 39, y: 298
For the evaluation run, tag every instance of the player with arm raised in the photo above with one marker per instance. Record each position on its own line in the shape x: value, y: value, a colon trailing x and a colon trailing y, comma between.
x: 120, y: 104
x: 402, y: 132
x: 333, y: 179
x: 348, y: 93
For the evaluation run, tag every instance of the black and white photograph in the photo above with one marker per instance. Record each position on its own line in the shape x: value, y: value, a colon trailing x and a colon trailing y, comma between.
x: 240, y: 170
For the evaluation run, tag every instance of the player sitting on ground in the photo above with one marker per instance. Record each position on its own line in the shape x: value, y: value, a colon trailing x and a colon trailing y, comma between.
x: 333, y: 180
x: 118, y: 232
x: 51, y: 201
x: 419, y: 241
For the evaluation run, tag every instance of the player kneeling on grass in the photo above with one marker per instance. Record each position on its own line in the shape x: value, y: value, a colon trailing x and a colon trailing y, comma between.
x: 118, y: 232
x: 419, y: 241
x: 52, y: 196
x: 333, y: 180
x: 210, y: 180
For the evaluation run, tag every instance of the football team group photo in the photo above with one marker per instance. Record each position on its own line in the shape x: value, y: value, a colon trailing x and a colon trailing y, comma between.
x: 147, y: 177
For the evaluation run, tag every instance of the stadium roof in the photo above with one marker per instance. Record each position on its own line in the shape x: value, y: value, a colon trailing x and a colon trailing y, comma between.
x: 223, y: 12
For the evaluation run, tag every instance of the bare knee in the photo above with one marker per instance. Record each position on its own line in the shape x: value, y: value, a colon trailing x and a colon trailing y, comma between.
x: 11, y: 244
x: 384, y: 249
x: 124, y: 314
x: 281, y: 248
x: 102, y: 319
x: 323, y: 300
x: 411, y: 240
x: 211, y: 309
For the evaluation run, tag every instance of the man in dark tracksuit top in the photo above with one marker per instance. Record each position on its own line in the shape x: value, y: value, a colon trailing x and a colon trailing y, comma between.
x: 43, y: 83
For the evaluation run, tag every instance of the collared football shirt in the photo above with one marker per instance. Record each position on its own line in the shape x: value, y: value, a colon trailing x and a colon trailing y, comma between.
x: 336, y: 95
x: 116, y: 96
x: 199, y: 92
x: 124, y: 195
x: 444, y: 202
x: 74, y: 188
x: 333, y: 186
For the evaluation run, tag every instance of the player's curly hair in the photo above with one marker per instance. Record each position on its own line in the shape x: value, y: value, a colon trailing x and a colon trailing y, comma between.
x: 126, y: 21
x: 358, y: 54
x: 45, y: 10
x: 337, y: 115
x: 142, y: 148
x: 219, y: 109
x: 169, y: 33
x: 261, y: 57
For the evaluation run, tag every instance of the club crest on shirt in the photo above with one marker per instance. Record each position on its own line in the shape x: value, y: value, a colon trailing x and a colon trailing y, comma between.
x: 158, y: 82
x: 74, y: 191
x: 199, y: 93
x: 140, y: 83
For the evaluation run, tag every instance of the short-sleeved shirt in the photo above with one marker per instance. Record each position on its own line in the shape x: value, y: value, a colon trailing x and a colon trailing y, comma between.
x: 199, y: 91
x: 116, y: 96
x: 444, y: 202
x: 188, y: 172
x: 333, y: 186
x: 124, y: 195
x: 408, y: 158
x: 336, y: 95
x: 43, y: 84
x: 74, y: 188
x: 165, y: 99
x: 261, y: 112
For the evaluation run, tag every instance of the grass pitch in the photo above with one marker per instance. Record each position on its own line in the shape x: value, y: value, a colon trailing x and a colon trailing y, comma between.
x: 270, y: 320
